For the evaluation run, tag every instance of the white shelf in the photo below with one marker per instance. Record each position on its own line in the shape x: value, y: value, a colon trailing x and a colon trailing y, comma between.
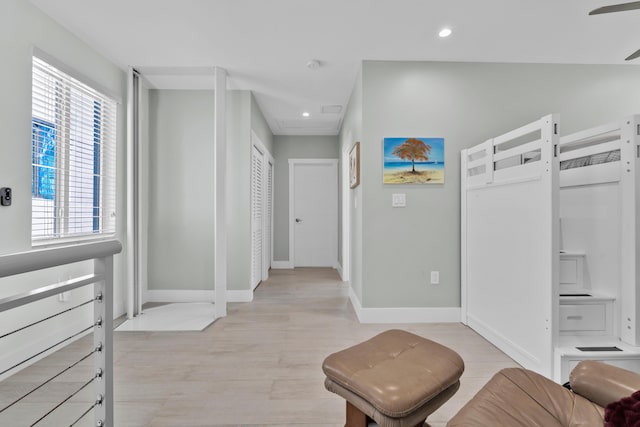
x: 593, y: 298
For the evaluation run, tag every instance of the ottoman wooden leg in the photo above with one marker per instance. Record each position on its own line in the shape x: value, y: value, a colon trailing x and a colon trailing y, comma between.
x: 355, y: 417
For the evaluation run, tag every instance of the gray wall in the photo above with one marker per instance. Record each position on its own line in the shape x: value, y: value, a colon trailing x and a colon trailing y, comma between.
x: 260, y: 126
x: 285, y: 148
x: 466, y: 103
x: 180, y: 223
x: 23, y: 26
x: 243, y: 116
x: 181, y: 234
x: 238, y: 190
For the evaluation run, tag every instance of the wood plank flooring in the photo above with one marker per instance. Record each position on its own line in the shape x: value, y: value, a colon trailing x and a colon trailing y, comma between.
x: 259, y: 366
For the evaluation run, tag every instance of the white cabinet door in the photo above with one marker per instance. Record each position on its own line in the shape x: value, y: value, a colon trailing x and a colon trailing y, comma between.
x: 257, y: 207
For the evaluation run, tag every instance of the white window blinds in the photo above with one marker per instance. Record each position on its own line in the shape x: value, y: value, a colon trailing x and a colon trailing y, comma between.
x: 73, y: 137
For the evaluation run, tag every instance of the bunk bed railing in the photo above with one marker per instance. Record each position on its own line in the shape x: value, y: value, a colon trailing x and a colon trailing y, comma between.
x: 518, y: 155
x: 593, y: 156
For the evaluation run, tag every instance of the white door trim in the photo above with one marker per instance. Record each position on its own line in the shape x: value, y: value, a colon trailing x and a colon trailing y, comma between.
x: 267, y: 240
x: 292, y: 164
x: 134, y: 262
x: 345, y: 272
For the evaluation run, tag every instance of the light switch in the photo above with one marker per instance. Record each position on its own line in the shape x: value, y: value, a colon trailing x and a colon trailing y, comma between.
x: 399, y: 200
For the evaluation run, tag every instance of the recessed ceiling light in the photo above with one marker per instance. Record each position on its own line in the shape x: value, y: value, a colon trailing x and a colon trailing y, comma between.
x: 445, y: 32
x: 306, y: 114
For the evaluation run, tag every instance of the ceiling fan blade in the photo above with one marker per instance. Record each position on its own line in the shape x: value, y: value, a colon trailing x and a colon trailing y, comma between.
x: 633, y: 56
x: 616, y: 8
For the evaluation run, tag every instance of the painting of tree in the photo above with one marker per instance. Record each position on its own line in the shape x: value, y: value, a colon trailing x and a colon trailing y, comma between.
x: 413, y: 160
x: 413, y: 149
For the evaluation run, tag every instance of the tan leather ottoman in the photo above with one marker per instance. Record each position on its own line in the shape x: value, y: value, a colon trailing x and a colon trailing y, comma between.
x: 396, y: 379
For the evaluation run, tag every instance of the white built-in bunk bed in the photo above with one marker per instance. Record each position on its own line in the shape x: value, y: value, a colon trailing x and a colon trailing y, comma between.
x: 550, y: 239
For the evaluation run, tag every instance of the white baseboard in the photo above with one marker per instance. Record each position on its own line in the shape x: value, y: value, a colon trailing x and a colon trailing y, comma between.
x: 404, y: 314
x: 514, y: 351
x: 119, y: 309
x: 155, y: 295
x: 239, y: 296
x: 282, y: 265
x: 196, y: 296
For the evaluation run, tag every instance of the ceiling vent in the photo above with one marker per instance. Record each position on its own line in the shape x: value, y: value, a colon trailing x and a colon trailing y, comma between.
x: 326, y: 125
x: 331, y: 109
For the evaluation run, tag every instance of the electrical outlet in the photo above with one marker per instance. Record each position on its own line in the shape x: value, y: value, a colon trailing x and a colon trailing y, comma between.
x: 435, y: 277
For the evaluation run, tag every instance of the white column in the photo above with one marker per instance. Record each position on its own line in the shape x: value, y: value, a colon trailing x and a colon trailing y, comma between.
x: 220, y: 196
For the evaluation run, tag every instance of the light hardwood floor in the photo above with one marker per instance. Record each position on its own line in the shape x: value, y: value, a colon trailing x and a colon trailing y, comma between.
x: 259, y: 366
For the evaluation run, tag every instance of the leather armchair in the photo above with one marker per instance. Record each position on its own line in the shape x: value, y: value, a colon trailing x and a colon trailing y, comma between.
x: 518, y: 397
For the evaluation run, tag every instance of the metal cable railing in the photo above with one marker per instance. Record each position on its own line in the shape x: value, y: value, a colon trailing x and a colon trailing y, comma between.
x: 45, y: 319
x: 102, y: 326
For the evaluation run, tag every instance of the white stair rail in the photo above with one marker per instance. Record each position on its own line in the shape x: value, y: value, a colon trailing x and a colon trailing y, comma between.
x: 102, y: 278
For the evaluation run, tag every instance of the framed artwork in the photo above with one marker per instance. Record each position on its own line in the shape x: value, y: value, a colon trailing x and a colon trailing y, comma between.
x: 354, y: 165
x: 413, y: 161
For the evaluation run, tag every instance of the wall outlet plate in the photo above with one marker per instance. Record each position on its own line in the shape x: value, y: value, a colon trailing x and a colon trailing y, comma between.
x: 435, y: 277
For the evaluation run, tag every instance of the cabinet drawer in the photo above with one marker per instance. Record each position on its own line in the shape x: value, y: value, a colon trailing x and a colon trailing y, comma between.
x: 584, y: 317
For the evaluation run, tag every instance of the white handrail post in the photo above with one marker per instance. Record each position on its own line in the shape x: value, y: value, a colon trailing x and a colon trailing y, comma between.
x: 103, y: 340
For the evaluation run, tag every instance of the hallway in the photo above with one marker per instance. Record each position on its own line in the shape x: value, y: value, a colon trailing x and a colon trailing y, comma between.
x: 261, y: 365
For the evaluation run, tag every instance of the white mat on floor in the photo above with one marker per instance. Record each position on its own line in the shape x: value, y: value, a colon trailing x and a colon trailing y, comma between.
x: 191, y: 316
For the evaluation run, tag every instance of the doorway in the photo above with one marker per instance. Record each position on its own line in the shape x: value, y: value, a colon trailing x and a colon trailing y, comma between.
x: 173, y: 242
x: 313, y: 212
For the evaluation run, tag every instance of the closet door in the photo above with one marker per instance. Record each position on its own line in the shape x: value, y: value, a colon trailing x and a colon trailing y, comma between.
x: 257, y: 218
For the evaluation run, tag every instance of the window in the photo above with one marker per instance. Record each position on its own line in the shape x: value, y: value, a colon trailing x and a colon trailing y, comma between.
x: 73, y: 137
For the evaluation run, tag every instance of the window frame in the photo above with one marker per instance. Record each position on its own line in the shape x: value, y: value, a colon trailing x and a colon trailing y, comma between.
x: 100, y: 133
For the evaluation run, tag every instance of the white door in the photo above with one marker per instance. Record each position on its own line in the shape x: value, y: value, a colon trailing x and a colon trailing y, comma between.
x: 257, y: 207
x: 315, y: 213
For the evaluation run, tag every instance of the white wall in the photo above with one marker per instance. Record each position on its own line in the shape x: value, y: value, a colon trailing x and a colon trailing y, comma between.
x: 22, y: 26
x: 293, y: 147
x: 180, y: 226
x: 465, y: 103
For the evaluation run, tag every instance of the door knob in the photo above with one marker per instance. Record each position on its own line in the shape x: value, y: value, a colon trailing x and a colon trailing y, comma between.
x: 298, y: 220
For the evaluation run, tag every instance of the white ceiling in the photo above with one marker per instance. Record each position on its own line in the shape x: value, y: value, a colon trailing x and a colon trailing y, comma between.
x: 265, y: 44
